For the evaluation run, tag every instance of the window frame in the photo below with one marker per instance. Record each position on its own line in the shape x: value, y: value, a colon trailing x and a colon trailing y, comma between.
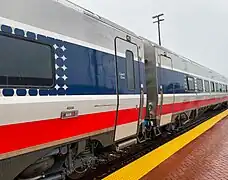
x: 134, y: 84
x: 197, y: 82
x: 52, y: 59
x: 206, y: 81
x: 190, y: 77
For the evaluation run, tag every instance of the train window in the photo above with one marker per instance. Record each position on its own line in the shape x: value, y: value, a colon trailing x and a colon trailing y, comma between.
x: 216, y: 87
x: 206, y: 86
x: 130, y: 70
x: 220, y: 87
x: 191, y: 83
x: 223, y: 88
x: 199, y: 85
x: 212, y: 87
x: 25, y: 63
x: 226, y: 89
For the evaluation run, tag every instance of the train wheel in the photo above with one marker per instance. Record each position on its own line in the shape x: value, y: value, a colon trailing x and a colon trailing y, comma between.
x: 80, y: 164
x: 78, y: 173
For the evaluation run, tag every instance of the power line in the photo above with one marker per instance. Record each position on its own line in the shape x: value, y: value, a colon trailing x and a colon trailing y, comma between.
x: 158, y: 20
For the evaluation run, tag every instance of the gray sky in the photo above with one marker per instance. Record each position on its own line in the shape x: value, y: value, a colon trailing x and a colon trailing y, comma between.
x: 196, y: 29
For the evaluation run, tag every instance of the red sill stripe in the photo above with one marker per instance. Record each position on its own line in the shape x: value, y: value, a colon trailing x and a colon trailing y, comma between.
x: 177, y: 107
x: 19, y: 136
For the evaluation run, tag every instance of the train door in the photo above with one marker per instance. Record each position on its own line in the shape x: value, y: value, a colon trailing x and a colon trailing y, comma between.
x: 165, y: 89
x: 129, y: 103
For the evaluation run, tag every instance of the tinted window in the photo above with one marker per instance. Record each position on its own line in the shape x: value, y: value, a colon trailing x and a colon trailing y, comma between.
x: 191, y: 83
x: 130, y: 70
x: 223, y: 88
x: 216, y: 86
x: 220, y: 87
x: 25, y: 63
x: 212, y: 87
x: 206, y: 86
x: 200, y: 85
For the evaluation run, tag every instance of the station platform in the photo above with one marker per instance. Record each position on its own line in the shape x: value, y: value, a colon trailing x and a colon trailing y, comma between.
x: 199, y: 154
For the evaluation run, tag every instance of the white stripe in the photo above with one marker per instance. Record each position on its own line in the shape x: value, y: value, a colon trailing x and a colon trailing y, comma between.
x: 27, y: 109
x: 126, y: 130
x: 40, y: 31
x: 40, y: 99
x: 192, y: 74
x: 194, y: 94
x: 169, y: 98
x: 165, y: 119
x: 166, y: 99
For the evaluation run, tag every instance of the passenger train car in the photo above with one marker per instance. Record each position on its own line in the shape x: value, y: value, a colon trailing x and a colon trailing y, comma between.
x: 182, y: 86
x: 72, y: 82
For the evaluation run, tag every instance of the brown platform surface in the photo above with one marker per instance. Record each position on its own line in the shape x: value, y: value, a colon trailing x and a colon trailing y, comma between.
x: 205, y: 158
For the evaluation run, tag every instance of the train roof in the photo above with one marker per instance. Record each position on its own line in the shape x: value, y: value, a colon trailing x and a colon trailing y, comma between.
x: 66, y: 21
x: 82, y: 10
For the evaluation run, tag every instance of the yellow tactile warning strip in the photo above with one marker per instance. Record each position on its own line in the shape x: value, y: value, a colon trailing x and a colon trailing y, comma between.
x: 145, y: 164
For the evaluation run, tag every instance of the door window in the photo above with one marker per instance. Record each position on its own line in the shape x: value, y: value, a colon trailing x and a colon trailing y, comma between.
x: 130, y: 70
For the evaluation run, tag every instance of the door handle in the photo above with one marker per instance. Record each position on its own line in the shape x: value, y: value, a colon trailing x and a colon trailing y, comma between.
x: 161, y: 100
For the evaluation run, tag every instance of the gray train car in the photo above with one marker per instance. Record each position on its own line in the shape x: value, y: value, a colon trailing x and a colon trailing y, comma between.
x: 69, y: 81
x: 178, y: 86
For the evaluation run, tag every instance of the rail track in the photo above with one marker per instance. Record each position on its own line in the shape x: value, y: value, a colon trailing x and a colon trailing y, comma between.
x: 113, y: 160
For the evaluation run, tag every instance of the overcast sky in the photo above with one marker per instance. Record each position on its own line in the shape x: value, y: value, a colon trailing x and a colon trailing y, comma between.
x: 196, y: 29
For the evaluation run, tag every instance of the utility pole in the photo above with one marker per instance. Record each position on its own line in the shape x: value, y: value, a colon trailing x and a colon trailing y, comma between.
x: 158, y: 20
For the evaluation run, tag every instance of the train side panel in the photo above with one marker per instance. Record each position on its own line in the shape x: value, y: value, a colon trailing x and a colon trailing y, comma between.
x: 83, y: 100
x: 173, y: 75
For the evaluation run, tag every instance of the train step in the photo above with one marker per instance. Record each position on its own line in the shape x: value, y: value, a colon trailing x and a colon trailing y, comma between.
x: 126, y: 144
